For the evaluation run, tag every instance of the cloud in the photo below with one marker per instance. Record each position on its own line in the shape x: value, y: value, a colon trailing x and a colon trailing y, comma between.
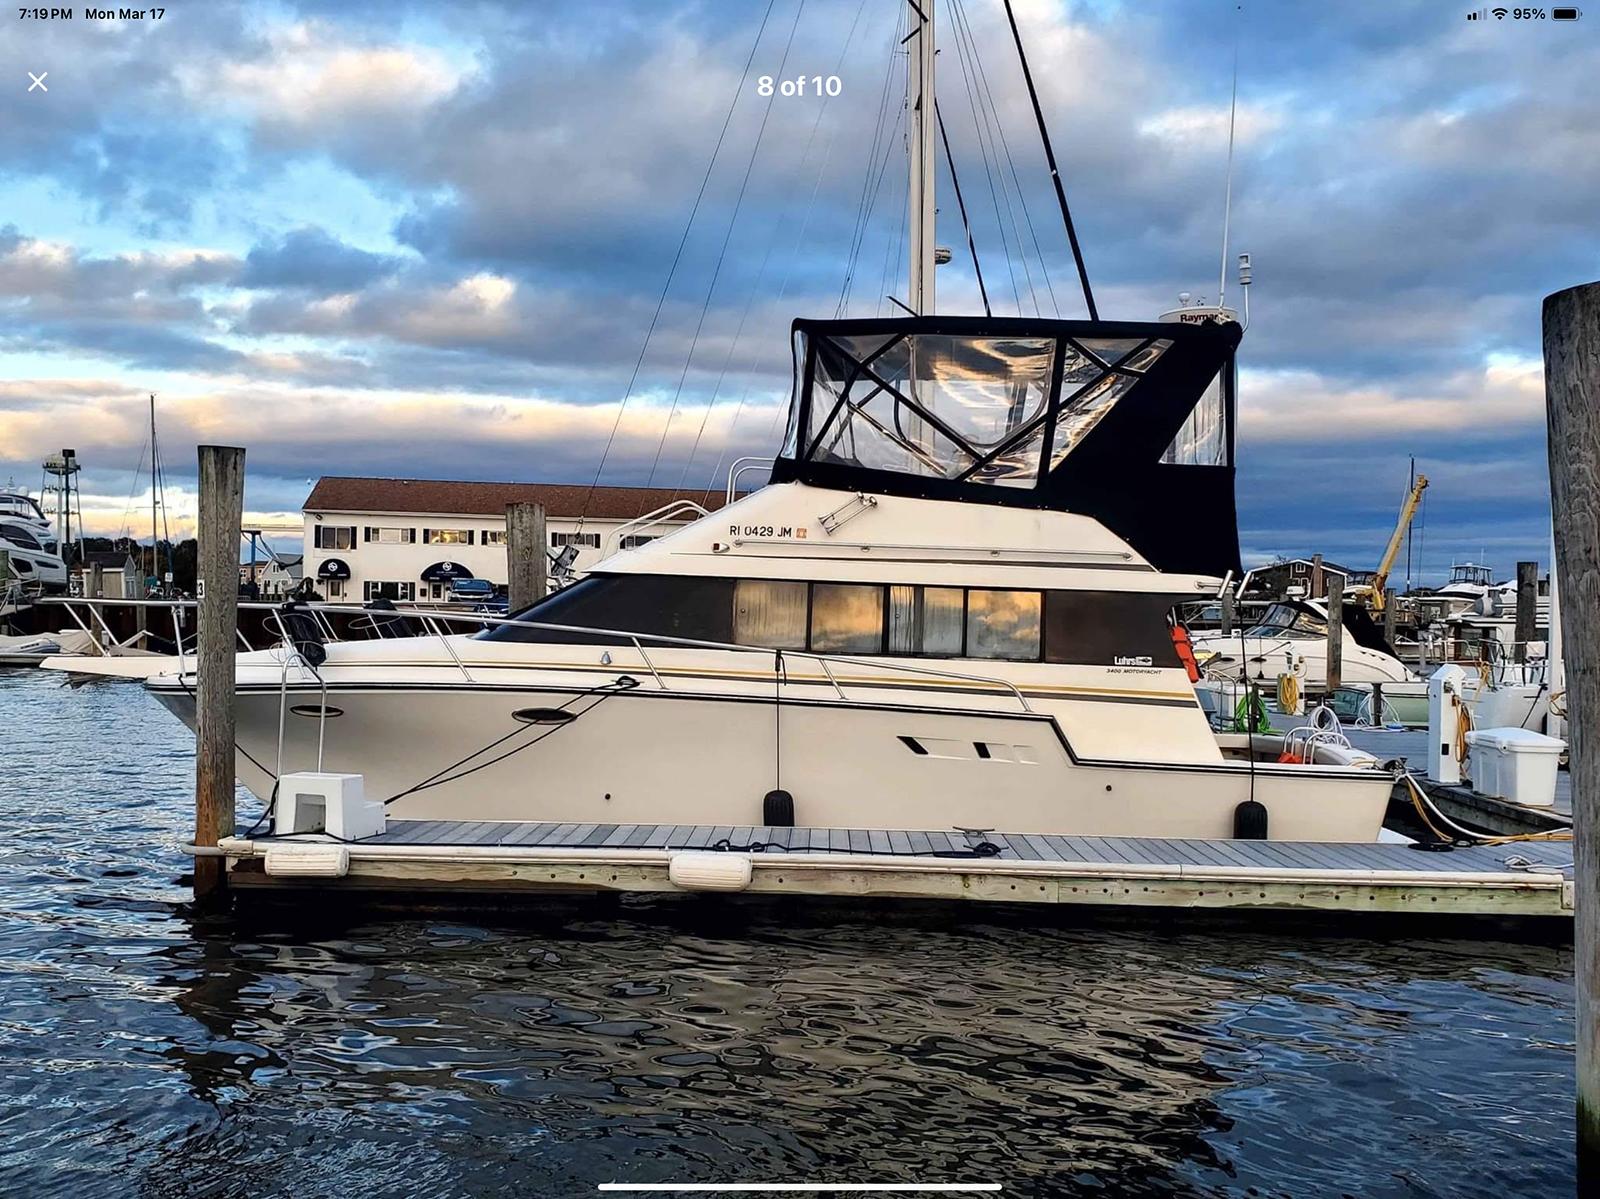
x: 311, y: 259
x: 305, y: 78
x: 520, y: 181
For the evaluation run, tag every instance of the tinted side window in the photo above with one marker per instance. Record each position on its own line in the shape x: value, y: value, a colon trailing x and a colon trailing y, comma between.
x: 1003, y: 624
x: 770, y: 612
x: 846, y: 618
x: 1097, y: 628
x: 695, y: 609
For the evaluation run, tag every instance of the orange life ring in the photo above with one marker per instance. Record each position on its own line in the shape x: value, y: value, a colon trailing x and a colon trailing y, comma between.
x: 1185, y: 648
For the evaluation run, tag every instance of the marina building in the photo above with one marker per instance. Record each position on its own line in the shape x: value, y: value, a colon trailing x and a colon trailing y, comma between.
x: 409, y: 539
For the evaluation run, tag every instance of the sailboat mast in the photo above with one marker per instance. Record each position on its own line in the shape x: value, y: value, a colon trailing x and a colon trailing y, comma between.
x: 922, y: 125
x: 155, y: 534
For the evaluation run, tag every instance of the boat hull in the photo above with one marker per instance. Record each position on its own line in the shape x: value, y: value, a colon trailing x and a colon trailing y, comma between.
x: 454, y: 750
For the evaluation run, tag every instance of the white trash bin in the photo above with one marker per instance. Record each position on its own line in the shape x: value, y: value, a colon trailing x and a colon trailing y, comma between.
x: 1516, y: 764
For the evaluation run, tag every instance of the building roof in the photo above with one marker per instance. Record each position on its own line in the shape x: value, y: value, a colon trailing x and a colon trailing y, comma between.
x: 1326, y: 565
x: 116, y: 558
x: 342, y: 493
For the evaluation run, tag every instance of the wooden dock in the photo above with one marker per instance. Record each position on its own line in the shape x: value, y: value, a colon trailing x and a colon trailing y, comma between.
x: 1521, y: 879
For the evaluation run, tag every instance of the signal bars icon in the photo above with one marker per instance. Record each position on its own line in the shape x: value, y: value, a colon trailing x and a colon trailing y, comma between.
x: 1480, y: 14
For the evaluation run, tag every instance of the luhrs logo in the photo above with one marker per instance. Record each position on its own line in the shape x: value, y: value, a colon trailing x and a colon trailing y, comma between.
x: 1133, y: 660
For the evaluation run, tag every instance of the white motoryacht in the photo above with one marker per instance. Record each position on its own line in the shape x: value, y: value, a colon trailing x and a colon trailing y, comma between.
x: 948, y: 608
x: 29, y: 540
x: 1292, y: 638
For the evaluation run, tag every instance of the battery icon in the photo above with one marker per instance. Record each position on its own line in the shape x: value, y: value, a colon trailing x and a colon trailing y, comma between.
x: 1565, y: 14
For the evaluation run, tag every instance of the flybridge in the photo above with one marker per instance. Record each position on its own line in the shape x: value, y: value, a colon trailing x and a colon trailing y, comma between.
x: 1094, y: 417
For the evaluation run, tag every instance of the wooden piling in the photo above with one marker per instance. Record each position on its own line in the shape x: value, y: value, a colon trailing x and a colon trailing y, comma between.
x: 221, y: 515
x: 1388, y: 615
x: 1527, y: 607
x: 1317, y: 583
x: 1335, y: 631
x: 525, y: 555
x: 1227, y: 612
x: 1572, y: 398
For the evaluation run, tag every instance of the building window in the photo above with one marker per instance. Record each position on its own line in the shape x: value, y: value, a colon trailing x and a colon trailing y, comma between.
x: 926, y: 620
x: 447, y: 536
x: 634, y: 540
x: 770, y: 613
x: 335, y: 537
x: 1003, y: 624
x: 582, y: 540
x: 494, y: 537
x: 390, y: 535
x: 846, y: 618
x: 376, y: 589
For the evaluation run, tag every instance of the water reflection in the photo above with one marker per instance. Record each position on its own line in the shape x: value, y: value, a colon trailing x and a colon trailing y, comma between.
x: 144, y: 1049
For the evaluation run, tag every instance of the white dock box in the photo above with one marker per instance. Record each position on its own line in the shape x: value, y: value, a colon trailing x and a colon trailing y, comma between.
x: 1516, y: 764
x: 314, y: 801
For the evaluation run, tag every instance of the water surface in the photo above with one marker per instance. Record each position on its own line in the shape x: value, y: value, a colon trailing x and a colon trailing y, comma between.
x: 146, y: 1050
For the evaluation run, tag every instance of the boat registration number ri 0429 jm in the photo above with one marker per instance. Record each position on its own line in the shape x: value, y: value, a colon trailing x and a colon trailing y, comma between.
x: 764, y: 531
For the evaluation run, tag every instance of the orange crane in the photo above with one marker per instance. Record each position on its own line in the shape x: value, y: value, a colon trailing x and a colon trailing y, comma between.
x: 1380, y: 580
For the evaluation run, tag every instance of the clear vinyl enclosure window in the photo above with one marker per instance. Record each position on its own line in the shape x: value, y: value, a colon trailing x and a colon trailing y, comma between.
x: 770, y: 612
x: 964, y: 408
x: 1203, y: 439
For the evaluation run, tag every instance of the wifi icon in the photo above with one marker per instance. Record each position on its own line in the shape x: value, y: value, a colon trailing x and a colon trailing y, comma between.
x: 1499, y: 13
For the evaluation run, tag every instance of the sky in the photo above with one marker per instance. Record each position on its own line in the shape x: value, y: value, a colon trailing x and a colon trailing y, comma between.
x: 562, y: 242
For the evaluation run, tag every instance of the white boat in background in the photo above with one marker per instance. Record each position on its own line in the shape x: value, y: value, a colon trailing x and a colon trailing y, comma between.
x: 1292, y: 638
x: 30, y: 544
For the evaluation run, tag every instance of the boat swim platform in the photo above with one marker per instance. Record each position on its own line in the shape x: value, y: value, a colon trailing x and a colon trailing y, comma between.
x: 1530, y: 878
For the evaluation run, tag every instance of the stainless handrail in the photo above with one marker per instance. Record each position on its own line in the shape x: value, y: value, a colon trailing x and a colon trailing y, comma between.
x: 667, y: 511
x: 740, y: 465
x: 481, y: 619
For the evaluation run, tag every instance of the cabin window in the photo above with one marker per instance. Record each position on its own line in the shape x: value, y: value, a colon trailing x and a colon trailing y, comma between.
x: 846, y: 618
x: 926, y: 620
x: 335, y: 537
x: 1003, y: 624
x: 447, y: 536
x: 1109, y: 628
x: 17, y: 535
x: 634, y: 540
x: 581, y: 540
x: 770, y: 612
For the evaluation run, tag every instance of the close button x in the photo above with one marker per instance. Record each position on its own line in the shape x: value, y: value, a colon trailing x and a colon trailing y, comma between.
x: 38, y: 81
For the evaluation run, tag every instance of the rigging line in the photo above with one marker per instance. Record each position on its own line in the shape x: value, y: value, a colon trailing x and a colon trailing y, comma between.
x: 677, y: 257
x: 1011, y: 163
x: 761, y: 273
x: 985, y: 136
x: 722, y: 254
x: 783, y: 290
x: 1055, y: 173
x: 962, y: 205
x: 879, y: 127
x: 872, y: 208
x: 783, y: 287
x: 858, y: 229
x: 1227, y: 203
x: 897, y: 242
x: 127, y: 511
